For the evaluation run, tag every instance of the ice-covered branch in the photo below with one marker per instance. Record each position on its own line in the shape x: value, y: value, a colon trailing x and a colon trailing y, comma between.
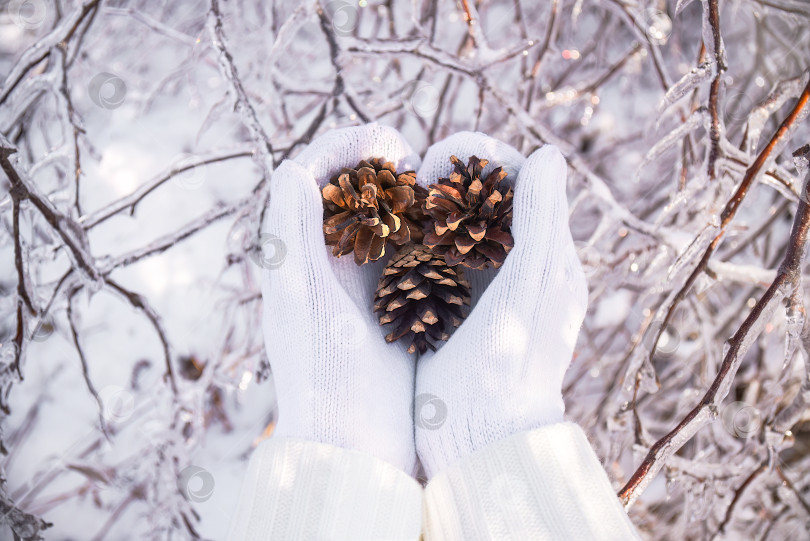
x: 765, y: 157
x: 705, y: 412
x: 43, y: 47
x: 242, y: 102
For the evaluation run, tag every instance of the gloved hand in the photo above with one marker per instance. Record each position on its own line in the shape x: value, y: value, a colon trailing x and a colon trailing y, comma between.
x: 337, y: 381
x: 501, y: 372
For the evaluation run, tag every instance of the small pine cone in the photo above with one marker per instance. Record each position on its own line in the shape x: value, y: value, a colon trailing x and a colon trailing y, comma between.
x: 369, y: 206
x: 471, y: 219
x: 422, y: 297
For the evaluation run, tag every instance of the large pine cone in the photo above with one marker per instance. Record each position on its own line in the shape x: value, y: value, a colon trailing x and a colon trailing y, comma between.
x: 471, y: 220
x: 422, y: 297
x: 369, y: 206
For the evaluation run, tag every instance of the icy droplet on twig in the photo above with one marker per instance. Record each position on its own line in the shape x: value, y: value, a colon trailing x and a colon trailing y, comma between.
x: 801, y: 159
x: 679, y: 7
x: 672, y: 138
x: 794, y: 321
x: 692, y: 253
x: 648, y: 381
x: 685, y: 85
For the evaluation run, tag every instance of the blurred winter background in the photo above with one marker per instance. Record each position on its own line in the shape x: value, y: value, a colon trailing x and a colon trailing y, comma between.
x: 138, y: 141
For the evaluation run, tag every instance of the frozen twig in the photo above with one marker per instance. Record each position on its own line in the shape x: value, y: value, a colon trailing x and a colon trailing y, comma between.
x: 778, y: 140
x: 713, y: 16
x: 242, y: 102
x: 71, y: 315
x: 705, y: 412
x: 42, y: 48
x: 140, y: 303
x: 24, y: 526
x: 131, y: 201
x: 738, y: 494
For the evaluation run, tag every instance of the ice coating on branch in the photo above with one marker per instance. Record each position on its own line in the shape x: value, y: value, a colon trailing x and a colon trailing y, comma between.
x: 691, y: 253
x: 681, y: 5
x: 686, y: 84
x: 708, y: 35
x: 781, y: 92
x: 674, y: 137
x: 288, y: 31
x: 801, y: 160
x: 648, y: 381
x: 794, y: 322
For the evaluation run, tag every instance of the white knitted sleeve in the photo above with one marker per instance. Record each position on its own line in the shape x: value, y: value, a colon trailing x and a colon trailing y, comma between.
x: 545, y: 484
x: 297, y: 489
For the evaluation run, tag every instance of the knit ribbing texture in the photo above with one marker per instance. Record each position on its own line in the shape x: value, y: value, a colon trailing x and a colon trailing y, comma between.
x: 501, y: 372
x: 544, y: 484
x: 300, y: 490
x: 337, y: 381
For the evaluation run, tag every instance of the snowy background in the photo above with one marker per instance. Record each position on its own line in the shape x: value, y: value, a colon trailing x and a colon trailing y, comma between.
x: 138, y: 142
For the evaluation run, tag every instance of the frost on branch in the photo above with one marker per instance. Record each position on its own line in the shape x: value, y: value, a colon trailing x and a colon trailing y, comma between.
x: 138, y: 143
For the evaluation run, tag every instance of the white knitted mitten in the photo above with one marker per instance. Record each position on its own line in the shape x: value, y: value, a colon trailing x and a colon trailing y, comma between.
x: 337, y: 381
x: 501, y: 372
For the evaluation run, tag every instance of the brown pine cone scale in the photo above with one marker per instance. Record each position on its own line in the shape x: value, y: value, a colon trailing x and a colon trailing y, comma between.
x: 422, y: 297
x: 471, y: 219
x: 370, y: 207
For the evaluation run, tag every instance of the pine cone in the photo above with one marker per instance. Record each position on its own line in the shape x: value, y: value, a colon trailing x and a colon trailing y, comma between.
x: 471, y: 220
x: 422, y: 297
x: 369, y: 206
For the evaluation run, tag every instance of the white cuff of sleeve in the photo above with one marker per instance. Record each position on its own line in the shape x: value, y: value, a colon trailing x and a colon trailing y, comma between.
x: 544, y: 484
x: 298, y: 489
